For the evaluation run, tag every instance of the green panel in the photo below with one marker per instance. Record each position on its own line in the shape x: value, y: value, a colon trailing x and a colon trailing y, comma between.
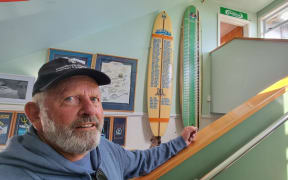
x: 190, y: 75
x: 216, y: 152
x: 267, y: 161
x: 233, y: 13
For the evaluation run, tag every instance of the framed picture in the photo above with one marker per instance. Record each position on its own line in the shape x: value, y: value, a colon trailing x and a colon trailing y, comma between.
x: 119, y: 130
x: 22, y: 123
x: 106, y: 128
x: 120, y: 94
x: 84, y: 58
x: 6, y: 119
x: 15, y: 89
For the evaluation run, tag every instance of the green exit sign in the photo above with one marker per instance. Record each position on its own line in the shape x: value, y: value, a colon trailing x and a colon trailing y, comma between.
x: 233, y: 13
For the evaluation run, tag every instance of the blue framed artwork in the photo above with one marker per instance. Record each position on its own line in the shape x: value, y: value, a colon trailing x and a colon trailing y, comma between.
x: 119, y: 130
x: 6, y: 119
x: 106, y: 128
x: 22, y: 124
x: 120, y: 94
x: 84, y: 58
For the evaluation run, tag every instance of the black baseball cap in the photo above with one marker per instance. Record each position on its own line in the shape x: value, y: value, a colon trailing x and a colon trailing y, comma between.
x: 62, y: 68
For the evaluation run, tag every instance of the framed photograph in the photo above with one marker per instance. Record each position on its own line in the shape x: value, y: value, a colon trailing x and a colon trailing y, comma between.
x: 106, y: 128
x: 119, y: 130
x: 15, y: 89
x: 114, y: 129
x: 84, y: 58
x: 22, y: 124
x: 6, y: 119
x: 120, y: 94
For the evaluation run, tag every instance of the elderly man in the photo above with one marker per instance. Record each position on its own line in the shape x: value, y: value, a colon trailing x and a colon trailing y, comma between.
x: 65, y: 140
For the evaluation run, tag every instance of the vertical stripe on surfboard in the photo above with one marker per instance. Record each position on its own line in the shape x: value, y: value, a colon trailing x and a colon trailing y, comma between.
x: 190, y: 68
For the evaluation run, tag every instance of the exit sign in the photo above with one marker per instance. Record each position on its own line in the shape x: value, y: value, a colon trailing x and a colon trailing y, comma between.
x: 233, y: 13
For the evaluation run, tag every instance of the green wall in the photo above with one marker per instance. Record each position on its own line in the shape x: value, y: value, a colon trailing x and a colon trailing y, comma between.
x: 202, y: 162
x: 252, y: 57
x: 267, y: 161
x: 132, y: 39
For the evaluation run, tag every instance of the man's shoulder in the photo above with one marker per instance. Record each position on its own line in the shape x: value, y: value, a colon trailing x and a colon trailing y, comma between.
x: 14, y: 172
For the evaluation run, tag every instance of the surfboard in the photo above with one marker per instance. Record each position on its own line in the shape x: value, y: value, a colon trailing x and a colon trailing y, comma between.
x: 159, y: 82
x: 190, y: 68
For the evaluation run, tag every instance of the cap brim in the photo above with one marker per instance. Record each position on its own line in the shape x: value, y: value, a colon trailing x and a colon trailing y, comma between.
x: 99, y: 77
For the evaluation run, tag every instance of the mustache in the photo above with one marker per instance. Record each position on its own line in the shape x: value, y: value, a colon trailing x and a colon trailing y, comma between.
x: 88, y: 119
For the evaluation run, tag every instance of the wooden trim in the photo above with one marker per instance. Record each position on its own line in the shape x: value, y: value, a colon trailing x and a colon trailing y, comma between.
x: 246, y: 38
x: 111, y: 123
x: 13, y: 124
x: 216, y: 129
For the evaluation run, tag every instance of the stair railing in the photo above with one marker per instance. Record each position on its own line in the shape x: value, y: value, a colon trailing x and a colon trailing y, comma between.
x: 245, y: 149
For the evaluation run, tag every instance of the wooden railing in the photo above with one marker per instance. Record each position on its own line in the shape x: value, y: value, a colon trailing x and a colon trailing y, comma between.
x: 216, y: 129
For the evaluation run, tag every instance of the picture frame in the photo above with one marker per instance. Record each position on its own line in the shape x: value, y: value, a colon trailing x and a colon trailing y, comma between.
x: 106, y: 132
x: 15, y: 89
x: 119, y: 130
x: 84, y: 58
x: 22, y: 124
x: 114, y: 129
x: 6, y: 126
x: 120, y: 94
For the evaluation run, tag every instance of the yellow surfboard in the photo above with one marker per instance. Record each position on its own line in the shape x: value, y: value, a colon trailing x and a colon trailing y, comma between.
x: 159, y: 84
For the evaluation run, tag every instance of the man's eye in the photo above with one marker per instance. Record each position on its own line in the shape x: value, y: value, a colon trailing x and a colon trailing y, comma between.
x: 71, y: 100
x: 95, y: 99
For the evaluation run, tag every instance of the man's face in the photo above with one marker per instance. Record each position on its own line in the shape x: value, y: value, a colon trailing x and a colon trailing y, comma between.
x: 72, y: 118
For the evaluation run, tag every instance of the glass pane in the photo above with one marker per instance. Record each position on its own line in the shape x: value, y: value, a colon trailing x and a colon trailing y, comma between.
x: 276, y: 19
x: 284, y: 29
x: 274, y: 34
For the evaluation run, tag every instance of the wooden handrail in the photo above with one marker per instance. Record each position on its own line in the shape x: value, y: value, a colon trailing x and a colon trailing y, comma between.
x: 246, y: 38
x: 216, y: 129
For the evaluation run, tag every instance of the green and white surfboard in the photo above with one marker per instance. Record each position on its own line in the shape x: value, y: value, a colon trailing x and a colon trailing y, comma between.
x: 190, y: 68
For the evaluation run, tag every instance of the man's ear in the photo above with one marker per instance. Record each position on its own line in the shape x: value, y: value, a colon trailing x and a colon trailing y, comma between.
x: 32, y: 111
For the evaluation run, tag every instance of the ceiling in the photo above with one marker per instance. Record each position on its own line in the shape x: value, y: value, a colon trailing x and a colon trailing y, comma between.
x: 36, y: 24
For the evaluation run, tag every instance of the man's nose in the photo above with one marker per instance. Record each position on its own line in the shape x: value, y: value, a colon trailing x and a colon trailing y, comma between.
x: 88, y: 107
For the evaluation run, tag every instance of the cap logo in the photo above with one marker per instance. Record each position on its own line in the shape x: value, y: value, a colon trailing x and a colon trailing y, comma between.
x: 71, y: 66
x: 74, y: 60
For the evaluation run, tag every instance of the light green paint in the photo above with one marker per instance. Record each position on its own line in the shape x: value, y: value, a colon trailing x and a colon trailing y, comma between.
x: 268, y: 160
x: 275, y: 4
x: 243, y: 68
x: 273, y: 162
x: 132, y: 39
x: 25, y: 65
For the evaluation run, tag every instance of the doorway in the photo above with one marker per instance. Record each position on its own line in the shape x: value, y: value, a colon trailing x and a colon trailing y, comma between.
x: 229, y: 31
x: 231, y: 27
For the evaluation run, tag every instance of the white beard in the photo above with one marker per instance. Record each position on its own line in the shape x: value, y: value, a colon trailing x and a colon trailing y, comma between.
x: 67, y: 139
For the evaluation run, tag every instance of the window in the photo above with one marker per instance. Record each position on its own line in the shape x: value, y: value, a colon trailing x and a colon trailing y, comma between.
x: 276, y: 25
